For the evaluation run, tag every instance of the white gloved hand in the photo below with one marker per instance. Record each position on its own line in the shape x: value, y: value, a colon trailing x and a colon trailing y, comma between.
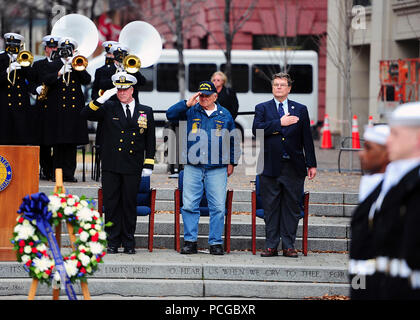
x: 13, y: 66
x: 67, y: 68
x: 106, y: 95
x: 38, y: 89
x: 146, y: 172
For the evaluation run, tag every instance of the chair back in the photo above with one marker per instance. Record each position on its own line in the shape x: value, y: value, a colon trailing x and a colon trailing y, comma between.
x: 143, y: 197
x: 260, y: 212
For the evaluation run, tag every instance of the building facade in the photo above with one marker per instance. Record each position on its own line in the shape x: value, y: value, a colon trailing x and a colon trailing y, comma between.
x: 379, y: 30
x: 271, y: 24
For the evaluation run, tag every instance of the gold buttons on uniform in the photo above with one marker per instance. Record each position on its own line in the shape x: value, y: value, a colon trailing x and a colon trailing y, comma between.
x: 121, y: 140
x: 134, y: 133
x: 282, y: 139
x: 119, y: 149
x: 122, y: 131
x: 131, y: 151
x: 132, y: 142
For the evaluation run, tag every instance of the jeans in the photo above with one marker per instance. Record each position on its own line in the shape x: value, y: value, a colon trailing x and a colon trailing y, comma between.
x: 213, y: 181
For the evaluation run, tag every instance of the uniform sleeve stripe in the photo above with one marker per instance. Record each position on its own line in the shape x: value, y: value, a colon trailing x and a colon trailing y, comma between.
x: 93, y: 106
x: 149, y: 161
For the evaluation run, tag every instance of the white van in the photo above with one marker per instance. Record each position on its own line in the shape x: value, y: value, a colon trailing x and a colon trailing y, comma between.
x: 251, y: 79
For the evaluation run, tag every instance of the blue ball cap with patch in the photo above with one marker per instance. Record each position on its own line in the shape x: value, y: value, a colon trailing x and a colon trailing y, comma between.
x: 207, y: 88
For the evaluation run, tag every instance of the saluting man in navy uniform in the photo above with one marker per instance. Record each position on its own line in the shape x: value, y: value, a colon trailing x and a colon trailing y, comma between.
x: 128, y: 151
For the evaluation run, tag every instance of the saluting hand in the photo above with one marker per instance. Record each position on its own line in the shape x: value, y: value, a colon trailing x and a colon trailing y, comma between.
x: 106, y: 95
x: 288, y: 120
x: 193, y: 100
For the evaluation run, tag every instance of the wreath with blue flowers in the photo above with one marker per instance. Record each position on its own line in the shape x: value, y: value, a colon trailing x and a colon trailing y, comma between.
x: 32, y: 243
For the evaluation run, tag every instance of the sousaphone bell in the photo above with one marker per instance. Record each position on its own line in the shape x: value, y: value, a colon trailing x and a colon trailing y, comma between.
x: 144, y: 42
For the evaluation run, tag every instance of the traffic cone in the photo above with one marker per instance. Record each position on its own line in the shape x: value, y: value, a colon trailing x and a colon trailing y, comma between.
x: 355, y: 139
x: 370, y: 122
x: 326, y: 134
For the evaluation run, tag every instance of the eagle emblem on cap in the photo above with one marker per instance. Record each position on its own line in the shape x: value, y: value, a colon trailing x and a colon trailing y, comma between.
x: 122, y: 79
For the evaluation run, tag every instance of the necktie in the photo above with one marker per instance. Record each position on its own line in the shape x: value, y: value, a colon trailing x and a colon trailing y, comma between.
x: 128, y: 113
x: 281, y: 111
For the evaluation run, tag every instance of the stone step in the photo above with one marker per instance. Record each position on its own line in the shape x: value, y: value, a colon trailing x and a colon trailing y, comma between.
x: 331, y: 210
x: 161, y: 288
x: 167, y: 273
x: 332, y: 204
x: 238, y: 195
x: 317, y: 227
x: 324, y: 233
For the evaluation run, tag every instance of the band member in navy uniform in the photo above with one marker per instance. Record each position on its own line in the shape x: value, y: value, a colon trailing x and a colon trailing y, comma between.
x: 373, y: 161
x: 395, y: 212
x: 40, y: 90
x: 289, y: 156
x: 102, y: 81
x: 66, y: 128
x: 129, y: 146
x: 14, y: 94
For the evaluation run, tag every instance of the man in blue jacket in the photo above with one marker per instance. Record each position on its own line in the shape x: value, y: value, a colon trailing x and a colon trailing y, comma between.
x: 210, y: 153
x: 289, y: 156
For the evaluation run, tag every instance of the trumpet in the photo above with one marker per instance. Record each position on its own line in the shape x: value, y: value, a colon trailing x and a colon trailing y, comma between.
x: 131, y: 63
x: 79, y: 63
x: 25, y: 59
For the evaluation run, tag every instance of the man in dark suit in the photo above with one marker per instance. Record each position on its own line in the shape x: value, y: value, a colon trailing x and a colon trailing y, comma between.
x: 289, y: 156
x: 128, y: 152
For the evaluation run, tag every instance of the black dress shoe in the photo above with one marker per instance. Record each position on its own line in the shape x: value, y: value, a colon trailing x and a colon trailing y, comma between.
x: 217, y: 249
x: 189, y: 247
x: 269, y: 252
x: 129, y: 250
x: 112, y: 250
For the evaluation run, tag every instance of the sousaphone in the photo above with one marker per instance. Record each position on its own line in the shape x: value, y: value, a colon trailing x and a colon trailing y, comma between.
x: 144, y: 42
x: 81, y: 29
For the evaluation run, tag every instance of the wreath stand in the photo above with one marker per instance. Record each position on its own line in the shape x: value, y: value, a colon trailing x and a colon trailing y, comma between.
x: 59, y: 188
